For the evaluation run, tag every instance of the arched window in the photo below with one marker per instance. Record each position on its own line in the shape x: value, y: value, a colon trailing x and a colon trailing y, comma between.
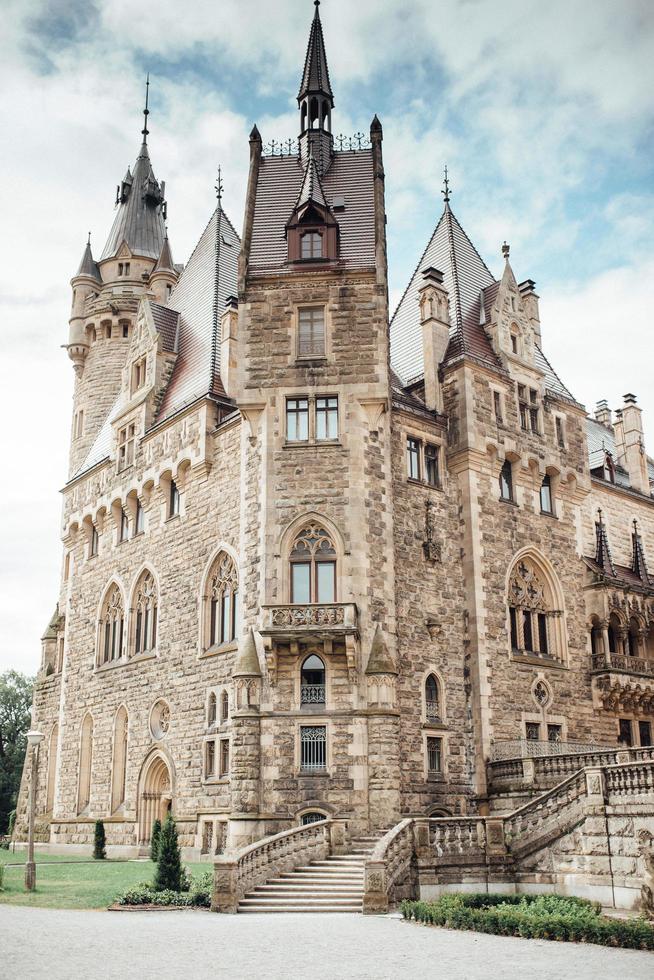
x: 633, y: 638
x: 111, y: 626
x: 52, y: 768
x: 614, y: 633
x: 119, y: 762
x: 596, y: 638
x: 222, y: 602
x: 506, y: 481
x: 85, y: 764
x: 313, y: 566
x: 432, y: 699
x: 212, y: 710
x: 312, y: 681
x: 145, y: 609
x: 224, y: 706
x: 535, y: 611
x: 314, y: 816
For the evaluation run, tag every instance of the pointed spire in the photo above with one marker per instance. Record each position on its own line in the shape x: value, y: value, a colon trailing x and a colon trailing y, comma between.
x: 146, y: 111
x: 315, y: 77
x: 165, y: 260
x: 446, y: 188
x: 311, y: 188
x: 505, y: 251
x: 88, y: 266
x: 602, y: 550
x: 247, y: 660
x: 638, y: 563
x: 380, y: 660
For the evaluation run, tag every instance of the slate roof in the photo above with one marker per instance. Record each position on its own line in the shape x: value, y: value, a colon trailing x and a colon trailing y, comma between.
x: 101, y: 447
x: 139, y: 220
x: 167, y: 323
x: 553, y: 383
x: 622, y: 573
x: 315, y: 77
x: 465, y: 275
x: 200, y: 305
x: 88, y: 266
x: 278, y: 188
x: 601, y: 440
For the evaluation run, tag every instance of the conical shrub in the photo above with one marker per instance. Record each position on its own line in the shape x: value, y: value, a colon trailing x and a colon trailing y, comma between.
x: 99, y: 842
x: 155, y: 840
x: 169, y: 861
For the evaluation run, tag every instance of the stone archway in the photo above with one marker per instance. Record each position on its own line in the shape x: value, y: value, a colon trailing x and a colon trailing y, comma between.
x: 155, y: 795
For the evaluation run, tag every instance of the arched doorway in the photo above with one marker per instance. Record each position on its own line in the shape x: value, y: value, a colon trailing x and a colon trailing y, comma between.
x: 155, y: 795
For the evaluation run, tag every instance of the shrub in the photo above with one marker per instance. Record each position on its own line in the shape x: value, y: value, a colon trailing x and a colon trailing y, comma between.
x: 2, y: 871
x: 533, y: 917
x: 12, y: 823
x: 155, y: 840
x: 198, y: 894
x: 99, y: 842
x: 169, y: 862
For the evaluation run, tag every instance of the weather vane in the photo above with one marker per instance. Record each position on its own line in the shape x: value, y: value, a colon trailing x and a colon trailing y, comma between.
x: 146, y: 111
x: 219, y: 185
x: 446, y: 185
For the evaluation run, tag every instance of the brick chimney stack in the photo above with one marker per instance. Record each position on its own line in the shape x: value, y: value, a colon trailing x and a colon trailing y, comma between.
x: 530, y: 299
x: 635, y: 458
x: 435, y: 320
x: 603, y: 413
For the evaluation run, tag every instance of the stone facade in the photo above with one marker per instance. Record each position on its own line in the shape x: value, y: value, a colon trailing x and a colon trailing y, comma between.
x: 249, y: 494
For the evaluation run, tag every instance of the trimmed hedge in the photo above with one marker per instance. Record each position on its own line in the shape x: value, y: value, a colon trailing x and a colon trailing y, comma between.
x: 198, y: 895
x: 532, y: 917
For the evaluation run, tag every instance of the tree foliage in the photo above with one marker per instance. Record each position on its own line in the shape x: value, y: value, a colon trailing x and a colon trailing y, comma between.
x: 15, y: 704
x: 99, y: 842
x: 169, y: 863
x: 155, y: 840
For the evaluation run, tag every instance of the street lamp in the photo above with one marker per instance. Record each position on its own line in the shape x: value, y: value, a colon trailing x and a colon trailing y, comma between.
x: 34, y: 739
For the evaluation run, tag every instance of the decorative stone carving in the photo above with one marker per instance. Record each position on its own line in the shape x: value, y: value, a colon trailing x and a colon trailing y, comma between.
x: 308, y: 616
x: 526, y: 588
x: 646, y: 841
x: 431, y: 546
x: 541, y: 694
x: 160, y: 719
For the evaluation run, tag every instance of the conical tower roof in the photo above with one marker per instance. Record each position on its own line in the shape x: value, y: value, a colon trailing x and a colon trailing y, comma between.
x: 311, y: 189
x: 315, y: 77
x: 88, y: 266
x: 139, y: 221
x: 165, y: 260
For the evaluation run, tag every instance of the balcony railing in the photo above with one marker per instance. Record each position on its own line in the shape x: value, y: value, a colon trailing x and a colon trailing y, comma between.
x: 310, y: 619
x: 433, y: 711
x: 603, y: 662
x: 523, y: 748
x: 312, y: 694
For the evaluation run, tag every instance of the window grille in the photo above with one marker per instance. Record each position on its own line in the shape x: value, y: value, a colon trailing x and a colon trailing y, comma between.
x: 432, y: 700
x: 311, y: 332
x: 312, y: 681
x: 554, y: 733
x: 434, y: 755
x: 313, y: 748
x: 315, y: 817
x: 532, y: 731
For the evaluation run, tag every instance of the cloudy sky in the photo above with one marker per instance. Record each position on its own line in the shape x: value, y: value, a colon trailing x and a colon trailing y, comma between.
x: 543, y: 112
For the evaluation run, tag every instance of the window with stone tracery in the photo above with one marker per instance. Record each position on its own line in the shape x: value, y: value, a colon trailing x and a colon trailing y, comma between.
x: 432, y: 699
x: 534, y: 622
x: 313, y: 566
x: 145, y: 611
x: 111, y: 627
x: 222, y: 602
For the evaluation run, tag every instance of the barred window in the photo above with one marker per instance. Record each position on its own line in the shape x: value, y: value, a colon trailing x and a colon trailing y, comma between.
x: 532, y: 731
x: 434, y: 755
x: 312, y: 681
x: 311, y: 332
x: 313, y: 748
x: 432, y: 699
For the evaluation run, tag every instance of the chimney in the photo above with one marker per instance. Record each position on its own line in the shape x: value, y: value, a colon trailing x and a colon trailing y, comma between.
x: 603, y: 413
x: 530, y: 299
x: 435, y: 320
x: 635, y: 459
x: 228, y: 342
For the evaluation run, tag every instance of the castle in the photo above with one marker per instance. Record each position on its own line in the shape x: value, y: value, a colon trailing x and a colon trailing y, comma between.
x: 321, y: 561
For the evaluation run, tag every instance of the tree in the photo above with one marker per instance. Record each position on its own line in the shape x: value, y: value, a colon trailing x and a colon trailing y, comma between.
x: 155, y: 840
x: 99, y: 842
x: 169, y: 863
x: 15, y: 704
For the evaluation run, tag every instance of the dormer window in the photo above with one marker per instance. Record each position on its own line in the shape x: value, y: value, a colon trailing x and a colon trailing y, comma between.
x: 311, y: 245
x: 138, y: 374
x: 126, y: 438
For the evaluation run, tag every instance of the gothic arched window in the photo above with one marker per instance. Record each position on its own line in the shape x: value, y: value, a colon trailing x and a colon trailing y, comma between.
x: 145, y: 610
x: 614, y: 631
x: 119, y: 764
x: 111, y: 626
x: 222, y: 601
x: 85, y: 764
x: 312, y: 681
x: 535, y: 614
x: 313, y: 566
x: 212, y: 710
x: 224, y: 706
x: 432, y: 699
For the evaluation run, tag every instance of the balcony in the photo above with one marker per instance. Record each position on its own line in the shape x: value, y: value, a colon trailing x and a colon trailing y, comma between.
x: 319, y: 621
x: 605, y: 663
x: 622, y: 683
x: 312, y: 694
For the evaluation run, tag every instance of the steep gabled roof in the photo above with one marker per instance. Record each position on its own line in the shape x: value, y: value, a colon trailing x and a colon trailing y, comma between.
x: 311, y: 188
x: 315, y: 77
x: 199, y: 298
x: 165, y: 260
x: 139, y: 221
x: 465, y: 276
x: 88, y: 266
x: 166, y: 322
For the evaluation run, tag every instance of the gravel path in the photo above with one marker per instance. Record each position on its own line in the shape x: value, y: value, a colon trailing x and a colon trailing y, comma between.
x: 60, y: 945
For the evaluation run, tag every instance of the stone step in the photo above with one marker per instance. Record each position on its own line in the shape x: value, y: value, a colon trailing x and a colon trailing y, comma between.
x: 270, y: 891
x: 297, y: 908
x: 325, y: 871
x: 341, y: 904
x: 332, y: 880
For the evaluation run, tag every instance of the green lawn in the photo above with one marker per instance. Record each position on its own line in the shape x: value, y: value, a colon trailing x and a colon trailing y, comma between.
x: 78, y: 885
x: 20, y: 857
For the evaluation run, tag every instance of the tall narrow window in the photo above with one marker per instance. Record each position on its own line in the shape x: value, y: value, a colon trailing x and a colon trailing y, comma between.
x: 224, y: 707
x: 527, y: 633
x: 210, y: 758
x: 560, y: 436
x: 546, y: 496
x: 94, y: 544
x: 223, y: 601
x: 139, y: 521
x: 311, y: 332
x: 311, y: 245
x: 145, y: 603
x: 119, y: 762
x: 52, y: 767
x: 543, y: 642
x: 124, y: 524
x: 625, y: 732
x: 173, y: 500
x: 126, y: 439
x: 645, y: 732
x: 111, y: 626
x: 327, y: 418
x: 312, y: 681
x: 506, y: 481
x: 434, y: 756
x: 523, y: 407
x: 413, y: 458
x: 497, y: 406
x: 513, y: 614
x: 212, y: 711
x: 432, y: 468
x: 313, y: 748
x: 297, y: 419
x: 432, y: 700
x: 224, y: 756
x: 313, y: 566
x: 85, y: 764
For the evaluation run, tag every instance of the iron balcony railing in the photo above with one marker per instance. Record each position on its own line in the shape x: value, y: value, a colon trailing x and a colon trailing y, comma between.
x: 313, y: 694
x: 433, y: 711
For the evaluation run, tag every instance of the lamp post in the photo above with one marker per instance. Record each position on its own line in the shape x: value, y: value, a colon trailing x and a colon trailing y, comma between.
x: 34, y: 739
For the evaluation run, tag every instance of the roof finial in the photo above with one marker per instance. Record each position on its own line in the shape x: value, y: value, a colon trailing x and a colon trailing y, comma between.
x: 88, y: 241
x: 446, y: 186
x: 146, y: 111
x: 505, y: 251
x: 599, y: 514
x: 219, y: 185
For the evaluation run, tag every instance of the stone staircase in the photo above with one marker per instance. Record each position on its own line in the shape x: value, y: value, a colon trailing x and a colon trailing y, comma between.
x: 332, y: 885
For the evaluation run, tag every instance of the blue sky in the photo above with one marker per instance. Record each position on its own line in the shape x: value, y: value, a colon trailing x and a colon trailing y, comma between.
x: 544, y: 113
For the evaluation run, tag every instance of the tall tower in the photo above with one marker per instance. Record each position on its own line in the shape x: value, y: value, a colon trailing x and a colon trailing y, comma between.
x: 136, y: 258
x: 312, y: 383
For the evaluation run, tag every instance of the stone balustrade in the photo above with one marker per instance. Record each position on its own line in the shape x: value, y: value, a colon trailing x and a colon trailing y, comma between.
x: 239, y: 873
x: 549, y: 770
x: 294, y: 621
x: 603, y: 662
x: 389, y: 863
x: 524, y: 748
x: 633, y: 779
